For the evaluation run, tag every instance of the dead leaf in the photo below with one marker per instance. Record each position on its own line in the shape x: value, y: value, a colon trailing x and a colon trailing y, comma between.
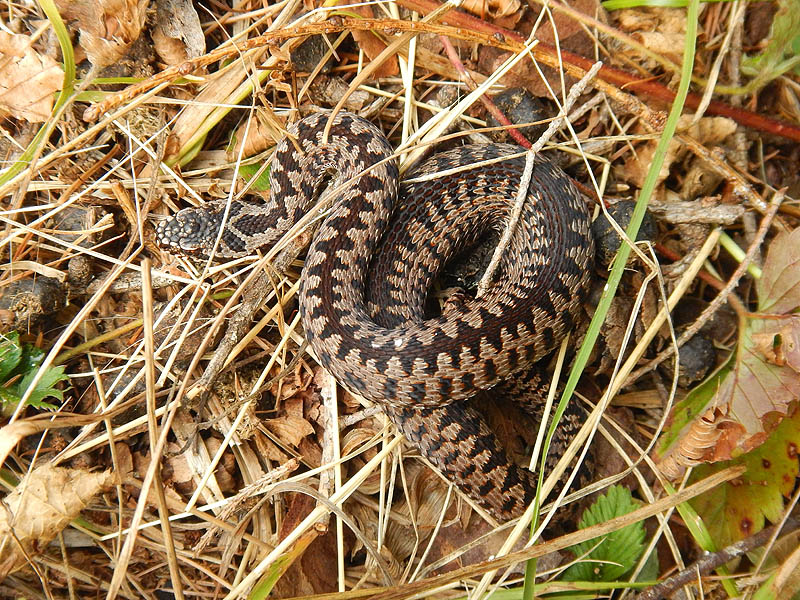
x: 28, y: 80
x: 309, y: 568
x: 755, y: 389
x: 661, y: 30
x: 372, y: 45
x: 108, y: 28
x: 736, y: 409
x: 177, y: 35
x: 290, y: 429
x: 567, y: 30
x: 779, y: 346
x: 262, y: 133
x: 269, y: 449
x: 40, y: 507
x: 779, y: 286
x: 707, y: 131
x: 493, y: 9
x: 670, y: 44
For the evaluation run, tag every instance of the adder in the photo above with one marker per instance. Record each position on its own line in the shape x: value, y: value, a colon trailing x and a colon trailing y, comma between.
x: 376, y: 254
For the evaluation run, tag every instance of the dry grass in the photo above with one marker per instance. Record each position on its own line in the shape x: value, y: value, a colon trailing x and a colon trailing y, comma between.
x: 274, y: 476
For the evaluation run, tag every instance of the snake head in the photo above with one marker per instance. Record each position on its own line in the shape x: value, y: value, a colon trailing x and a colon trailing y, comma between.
x: 191, y: 231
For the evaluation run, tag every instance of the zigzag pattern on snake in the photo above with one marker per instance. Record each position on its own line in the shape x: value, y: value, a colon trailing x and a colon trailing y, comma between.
x: 375, y: 256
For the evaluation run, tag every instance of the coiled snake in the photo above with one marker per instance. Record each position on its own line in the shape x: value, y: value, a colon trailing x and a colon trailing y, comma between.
x: 376, y: 254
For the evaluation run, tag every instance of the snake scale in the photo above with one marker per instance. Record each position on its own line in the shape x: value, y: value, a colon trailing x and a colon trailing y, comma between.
x: 376, y: 254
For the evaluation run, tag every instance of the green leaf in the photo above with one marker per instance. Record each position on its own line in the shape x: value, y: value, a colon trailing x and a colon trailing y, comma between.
x: 32, y: 357
x: 619, y: 551
x: 44, y: 388
x: 10, y: 355
x: 780, y: 55
x: 19, y: 364
x: 737, y: 509
x: 8, y: 401
x: 261, y: 184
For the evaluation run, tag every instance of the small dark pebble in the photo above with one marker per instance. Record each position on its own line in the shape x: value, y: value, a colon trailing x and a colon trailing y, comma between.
x: 606, y: 237
x: 520, y: 106
x: 697, y: 359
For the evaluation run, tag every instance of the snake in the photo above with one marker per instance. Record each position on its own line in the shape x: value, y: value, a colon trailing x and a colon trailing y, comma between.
x: 365, y: 285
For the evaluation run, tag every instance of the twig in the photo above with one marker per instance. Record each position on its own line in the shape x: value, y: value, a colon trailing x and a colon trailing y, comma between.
x: 712, y: 308
x: 670, y: 254
x: 467, y: 28
x: 422, y: 586
x: 522, y: 191
x: 616, y: 77
x: 741, y: 189
x: 253, y: 297
x: 711, y: 561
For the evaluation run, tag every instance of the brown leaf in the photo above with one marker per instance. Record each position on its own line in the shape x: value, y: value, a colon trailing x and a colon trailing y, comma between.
x: 756, y: 394
x: 40, y: 507
x: 737, y: 408
x: 290, y: 429
x: 177, y: 34
x: 780, y: 346
x: 567, y: 30
x: 107, y: 27
x: 28, y: 80
x: 693, y: 447
x: 708, y: 131
x: 493, y: 9
x: 312, y: 569
x: 373, y: 45
x: 779, y: 286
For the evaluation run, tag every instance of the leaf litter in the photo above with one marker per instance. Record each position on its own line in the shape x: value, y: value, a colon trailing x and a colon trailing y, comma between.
x: 398, y: 525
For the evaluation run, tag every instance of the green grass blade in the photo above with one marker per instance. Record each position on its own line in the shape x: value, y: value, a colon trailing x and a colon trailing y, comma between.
x: 621, y: 259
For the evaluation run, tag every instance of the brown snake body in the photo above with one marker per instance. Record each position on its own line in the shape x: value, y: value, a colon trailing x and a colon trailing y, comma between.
x: 370, y: 266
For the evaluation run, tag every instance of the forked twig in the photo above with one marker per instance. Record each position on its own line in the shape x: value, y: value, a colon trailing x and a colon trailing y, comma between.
x: 522, y: 191
x: 712, y: 308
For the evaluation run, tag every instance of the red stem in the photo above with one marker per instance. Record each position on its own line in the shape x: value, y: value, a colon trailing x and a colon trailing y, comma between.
x: 486, y: 100
x: 620, y: 78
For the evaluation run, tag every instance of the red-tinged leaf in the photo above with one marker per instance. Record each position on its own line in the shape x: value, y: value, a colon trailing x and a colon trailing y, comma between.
x: 757, y: 393
x: 778, y: 342
x: 737, y: 408
x: 778, y: 288
x: 738, y: 508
